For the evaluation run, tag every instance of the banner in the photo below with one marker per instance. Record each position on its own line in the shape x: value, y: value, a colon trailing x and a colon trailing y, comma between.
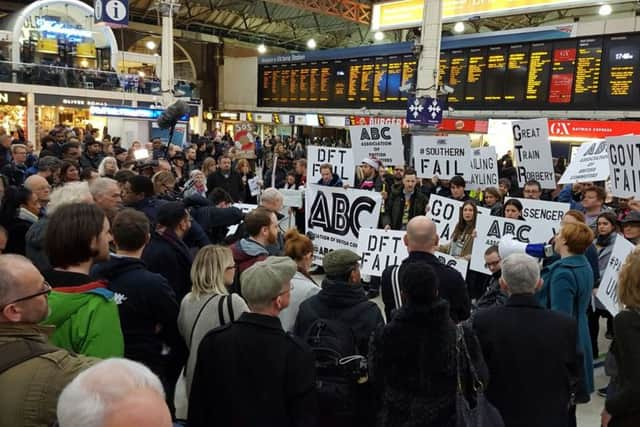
x: 624, y: 164
x: 490, y: 229
x: 382, y: 142
x: 442, y: 156
x: 335, y: 217
x: 444, y: 212
x: 484, y: 169
x: 533, y: 152
x: 542, y: 209
x: 292, y: 198
x: 383, y: 248
x: 608, y: 290
x: 340, y: 158
x: 590, y: 163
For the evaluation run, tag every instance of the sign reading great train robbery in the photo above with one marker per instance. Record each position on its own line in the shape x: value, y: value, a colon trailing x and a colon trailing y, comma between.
x: 335, y: 216
x: 624, y: 165
x: 340, y: 159
x: 382, y: 142
x: 532, y: 152
x: 442, y: 156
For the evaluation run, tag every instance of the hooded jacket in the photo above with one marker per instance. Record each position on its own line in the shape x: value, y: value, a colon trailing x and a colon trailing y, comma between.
x: 85, y: 315
x: 169, y: 256
x: 34, y: 244
x: 246, y: 252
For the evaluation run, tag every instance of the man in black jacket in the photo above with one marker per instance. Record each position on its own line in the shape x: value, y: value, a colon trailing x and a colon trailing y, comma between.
x: 93, y: 155
x: 227, y: 179
x: 530, y: 351
x: 146, y: 303
x: 250, y: 372
x: 422, y: 241
x: 404, y: 204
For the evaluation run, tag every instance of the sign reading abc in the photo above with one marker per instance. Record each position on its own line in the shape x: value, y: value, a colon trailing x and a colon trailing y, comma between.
x: 533, y: 152
x: 378, y: 142
x: 341, y: 160
x: 335, y: 217
x: 590, y: 163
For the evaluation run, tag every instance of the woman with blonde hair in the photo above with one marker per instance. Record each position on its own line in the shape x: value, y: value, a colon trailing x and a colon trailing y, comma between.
x: 622, y: 407
x: 208, y: 166
x: 209, y: 304
x: 108, y: 167
x: 164, y: 184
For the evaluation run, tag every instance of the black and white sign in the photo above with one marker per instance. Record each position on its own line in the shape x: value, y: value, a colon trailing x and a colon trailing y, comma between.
x: 340, y: 158
x: 589, y: 163
x: 382, y: 142
x: 442, y: 156
x: 335, y: 217
x: 608, y: 290
x: 532, y: 152
x: 624, y: 164
x: 444, y: 212
x: 542, y: 210
x: 292, y: 198
x: 484, y: 169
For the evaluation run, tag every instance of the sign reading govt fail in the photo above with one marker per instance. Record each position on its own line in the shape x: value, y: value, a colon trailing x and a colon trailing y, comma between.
x: 340, y: 159
x: 533, y: 152
x: 382, y: 142
x: 624, y: 163
x: 442, y: 156
x: 335, y: 216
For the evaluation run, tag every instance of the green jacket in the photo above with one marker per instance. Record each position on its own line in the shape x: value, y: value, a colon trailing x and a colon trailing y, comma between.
x: 86, y: 320
x: 30, y: 389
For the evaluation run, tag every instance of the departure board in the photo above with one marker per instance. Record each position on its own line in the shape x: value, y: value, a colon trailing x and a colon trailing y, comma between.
x: 394, y: 78
x: 588, y: 62
x: 275, y: 86
x: 443, y: 71
x: 304, y: 83
x: 517, y: 75
x: 458, y: 65
x: 325, y: 81
x: 285, y: 76
x: 539, y: 72
x: 477, y: 66
x: 380, y: 75
x: 366, y: 80
x: 409, y: 73
x: 294, y: 86
x: 314, y: 82
x: 495, y: 74
x: 622, y: 77
x: 267, y: 80
x: 355, y: 74
x: 562, y: 72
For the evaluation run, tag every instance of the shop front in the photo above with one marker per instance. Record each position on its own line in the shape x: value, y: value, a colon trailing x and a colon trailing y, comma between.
x: 13, y: 111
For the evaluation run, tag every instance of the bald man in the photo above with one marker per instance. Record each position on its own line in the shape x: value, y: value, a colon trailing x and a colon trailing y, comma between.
x: 40, y: 186
x: 422, y: 241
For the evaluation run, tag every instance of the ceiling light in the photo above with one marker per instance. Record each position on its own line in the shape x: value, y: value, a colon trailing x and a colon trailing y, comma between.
x: 151, y: 45
x: 378, y: 36
x: 605, y: 10
x: 141, y: 74
x: 262, y: 49
x: 84, y: 63
x: 311, y: 44
x: 459, y: 27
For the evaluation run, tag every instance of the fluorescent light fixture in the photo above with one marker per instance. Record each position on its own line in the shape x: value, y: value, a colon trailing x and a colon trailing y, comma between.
x: 378, y: 36
x: 151, y: 45
x: 459, y: 27
x: 311, y: 44
x: 605, y: 10
x: 262, y: 49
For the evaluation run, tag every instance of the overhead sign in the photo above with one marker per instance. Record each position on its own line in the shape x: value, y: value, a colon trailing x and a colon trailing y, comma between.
x: 424, y: 111
x: 542, y: 209
x: 379, y: 142
x: 112, y: 13
x: 444, y: 212
x: 608, y: 290
x: 533, y: 152
x: 12, y: 98
x: 70, y: 101
x: 336, y: 216
x: 442, y: 156
x: 590, y: 163
x: 624, y: 165
x: 340, y: 159
x: 592, y: 128
x: 484, y: 169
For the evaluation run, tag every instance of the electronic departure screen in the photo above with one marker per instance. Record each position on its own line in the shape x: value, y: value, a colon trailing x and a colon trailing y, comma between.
x: 598, y: 72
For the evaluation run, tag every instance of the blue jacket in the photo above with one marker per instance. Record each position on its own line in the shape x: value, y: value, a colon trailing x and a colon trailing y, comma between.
x: 567, y: 288
x: 566, y: 196
x: 335, y: 182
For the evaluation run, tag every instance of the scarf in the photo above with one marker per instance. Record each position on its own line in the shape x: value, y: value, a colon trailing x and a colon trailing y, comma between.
x: 604, y: 241
x: 26, y: 215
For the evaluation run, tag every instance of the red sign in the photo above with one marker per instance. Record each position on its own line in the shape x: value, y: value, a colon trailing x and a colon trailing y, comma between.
x: 371, y: 121
x: 464, y: 125
x: 592, y: 128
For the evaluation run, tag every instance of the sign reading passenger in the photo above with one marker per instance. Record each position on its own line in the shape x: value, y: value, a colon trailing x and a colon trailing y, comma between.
x: 381, y: 142
x: 533, y: 152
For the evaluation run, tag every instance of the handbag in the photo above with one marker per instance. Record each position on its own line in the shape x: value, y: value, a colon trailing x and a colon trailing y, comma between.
x: 483, y: 414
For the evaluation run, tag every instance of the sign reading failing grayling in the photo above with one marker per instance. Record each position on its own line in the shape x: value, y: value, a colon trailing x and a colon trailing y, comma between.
x: 484, y: 169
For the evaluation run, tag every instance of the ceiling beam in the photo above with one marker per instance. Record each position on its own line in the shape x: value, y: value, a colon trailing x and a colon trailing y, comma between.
x: 349, y: 10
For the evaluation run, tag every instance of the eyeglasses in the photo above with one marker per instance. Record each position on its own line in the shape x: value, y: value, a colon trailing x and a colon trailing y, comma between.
x: 45, y: 291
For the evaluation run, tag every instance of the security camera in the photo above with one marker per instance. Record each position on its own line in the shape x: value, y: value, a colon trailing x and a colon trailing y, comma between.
x: 448, y: 90
x: 416, y: 49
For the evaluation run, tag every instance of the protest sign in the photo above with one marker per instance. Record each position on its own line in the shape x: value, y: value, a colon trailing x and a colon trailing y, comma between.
x: 442, y: 156
x: 341, y: 159
x: 543, y: 210
x: 382, y: 142
x: 460, y: 264
x: 254, y: 186
x: 490, y: 229
x: 444, y: 212
x: 245, y: 208
x: 533, y: 152
x: 292, y: 198
x: 608, y: 290
x: 335, y: 216
x: 589, y: 163
x: 624, y: 164
x: 484, y: 169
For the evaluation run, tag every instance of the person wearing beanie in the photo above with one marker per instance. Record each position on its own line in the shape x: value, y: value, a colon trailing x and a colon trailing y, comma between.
x: 252, y: 363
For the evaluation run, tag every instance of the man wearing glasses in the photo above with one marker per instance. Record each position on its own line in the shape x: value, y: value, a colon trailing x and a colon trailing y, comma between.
x: 32, y: 372
x: 493, y: 295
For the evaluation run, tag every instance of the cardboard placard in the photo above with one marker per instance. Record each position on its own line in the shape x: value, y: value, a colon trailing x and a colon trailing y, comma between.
x: 484, y: 169
x: 382, y: 142
x: 590, y: 163
x: 442, y: 156
x: 608, y: 290
x: 532, y: 152
x: 340, y: 158
x: 624, y: 164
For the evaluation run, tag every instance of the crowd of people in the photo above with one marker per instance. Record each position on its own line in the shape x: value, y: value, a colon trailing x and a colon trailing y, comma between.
x: 134, y: 292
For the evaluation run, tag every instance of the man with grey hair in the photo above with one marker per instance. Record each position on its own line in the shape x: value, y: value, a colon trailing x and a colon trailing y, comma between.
x: 250, y: 372
x: 114, y: 393
x: 41, y: 188
x: 107, y: 195
x: 32, y: 372
x: 49, y: 168
x: 273, y: 200
x: 530, y: 351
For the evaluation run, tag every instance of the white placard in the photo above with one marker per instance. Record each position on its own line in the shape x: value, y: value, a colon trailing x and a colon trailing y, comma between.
x: 608, y: 290
x: 254, y: 186
x: 589, y: 163
x: 292, y: 198
x: 382, y: 142
x: 335, y: 217
x: 532, y: 152
x: 624, y: 164
x: 442, y: 156
x: 444, y: 212
x: 484, y: 169
x: 460, y: 264
x: 340, y: 158
x: 542, y: 209
x: 245, y: 208
x: 490, y: 229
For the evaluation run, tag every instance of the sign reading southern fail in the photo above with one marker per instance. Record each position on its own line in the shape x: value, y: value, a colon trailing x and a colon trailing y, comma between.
x: 340, y: 159
x: 382, y: 142
x: 335, y: 216
x: 624, y: 164
x: 484, y: 169
x: 608, y: 290
x: 442, y: 156
x: 533, y: 152
x: 590, y: 163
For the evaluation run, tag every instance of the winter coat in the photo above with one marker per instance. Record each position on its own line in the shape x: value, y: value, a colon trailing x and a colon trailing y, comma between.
x: 168, y: 256
x: 412, y: 364
x: 335, y: 181
x: 34, y: 244
x: 17, y: 232
x: 395, y: 209
x: 88, y: 162
x: 303, y: 288
x: 30, y: 389
x: 246, y: 252
x: 567, y: 287
x: 232, y: 184
x: 493, y: 295
x: 16, y: 174
x: 252, y: 373
x: 85, y: 315
x: 213, y: 220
